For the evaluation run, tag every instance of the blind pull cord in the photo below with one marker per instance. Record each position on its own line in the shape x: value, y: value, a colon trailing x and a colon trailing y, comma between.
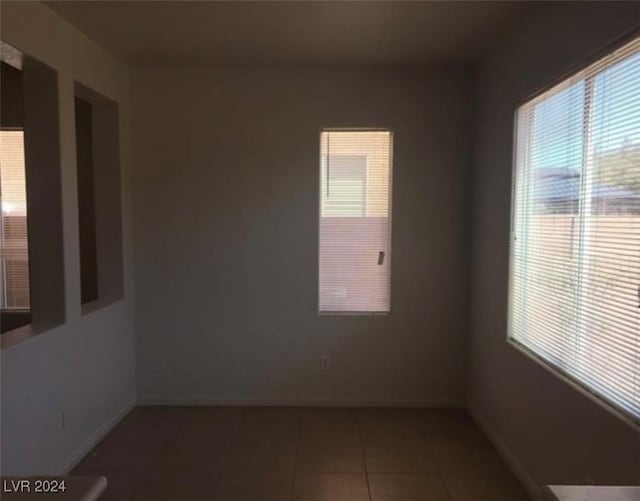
x: 328, y: 161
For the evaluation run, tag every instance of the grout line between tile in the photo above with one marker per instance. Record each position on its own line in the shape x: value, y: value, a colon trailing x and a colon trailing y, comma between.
x: 364, y: 457
x: 233, y: 441
x: 295, y: 457
x: 227, y: 455
x: 427, y: 443
x: 148, y: 472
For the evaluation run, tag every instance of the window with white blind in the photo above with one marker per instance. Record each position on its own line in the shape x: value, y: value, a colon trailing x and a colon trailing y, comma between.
x: 575, y: 250
x: 355, y: 221
x: 14, y: 270
x: 32, y: 298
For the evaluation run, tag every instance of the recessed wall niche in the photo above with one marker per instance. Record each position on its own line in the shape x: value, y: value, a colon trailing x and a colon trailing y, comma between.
x: 99, y: 199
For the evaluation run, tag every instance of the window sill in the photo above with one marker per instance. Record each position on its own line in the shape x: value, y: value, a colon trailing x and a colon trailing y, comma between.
x: 627, y: 418
x: 17, y: 335
x: 99, y: 304
x: 354, y: 313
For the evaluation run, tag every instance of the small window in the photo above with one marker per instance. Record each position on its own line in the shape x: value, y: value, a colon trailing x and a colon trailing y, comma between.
x: 575, y: 250
x: 355, y: 221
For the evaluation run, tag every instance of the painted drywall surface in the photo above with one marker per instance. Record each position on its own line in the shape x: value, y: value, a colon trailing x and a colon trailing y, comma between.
x: 226, y: 191
x: 62, y: 387
x: 557, y: 434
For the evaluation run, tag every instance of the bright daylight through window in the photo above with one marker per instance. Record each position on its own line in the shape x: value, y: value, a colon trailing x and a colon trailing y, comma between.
x: 13, y: 224
x: 575, y: 250
x: 355, y: 221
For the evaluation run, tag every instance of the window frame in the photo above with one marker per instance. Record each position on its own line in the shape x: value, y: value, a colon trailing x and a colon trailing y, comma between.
x: 565, y: 79
x: 3, y: 275
x: 40, y: 91
x: 331, y: 313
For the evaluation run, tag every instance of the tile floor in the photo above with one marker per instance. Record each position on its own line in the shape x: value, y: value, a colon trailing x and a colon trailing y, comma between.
x: 289, y: 453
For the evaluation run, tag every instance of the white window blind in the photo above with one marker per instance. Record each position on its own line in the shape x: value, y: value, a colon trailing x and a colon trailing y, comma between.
x: 355, y: 221
x: 14, y: 256
x: 575, y: 251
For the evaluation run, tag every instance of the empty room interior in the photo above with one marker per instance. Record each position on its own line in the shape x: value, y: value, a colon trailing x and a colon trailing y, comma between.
x: 320, y: 250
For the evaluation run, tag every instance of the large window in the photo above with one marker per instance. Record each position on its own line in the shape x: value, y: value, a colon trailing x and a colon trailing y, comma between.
x: 15, y: 290
x: 32, y: 288
x: 355, y: 221
x: 575, y: 250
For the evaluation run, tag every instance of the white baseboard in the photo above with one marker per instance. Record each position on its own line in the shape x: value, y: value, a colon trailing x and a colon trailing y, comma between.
x: 509, y: 457
x: 297, y: 400
x: 91, y: 441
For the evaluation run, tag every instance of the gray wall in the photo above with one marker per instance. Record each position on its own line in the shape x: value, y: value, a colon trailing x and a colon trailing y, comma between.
x: 226, y: 236
x: 65, y: 387
x: 555, y: 433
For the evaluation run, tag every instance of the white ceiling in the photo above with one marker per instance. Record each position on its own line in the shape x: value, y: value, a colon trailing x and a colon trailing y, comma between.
x: 262, y: 32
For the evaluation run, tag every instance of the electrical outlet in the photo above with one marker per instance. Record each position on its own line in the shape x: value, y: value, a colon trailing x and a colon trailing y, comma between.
x: 325, y: 362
